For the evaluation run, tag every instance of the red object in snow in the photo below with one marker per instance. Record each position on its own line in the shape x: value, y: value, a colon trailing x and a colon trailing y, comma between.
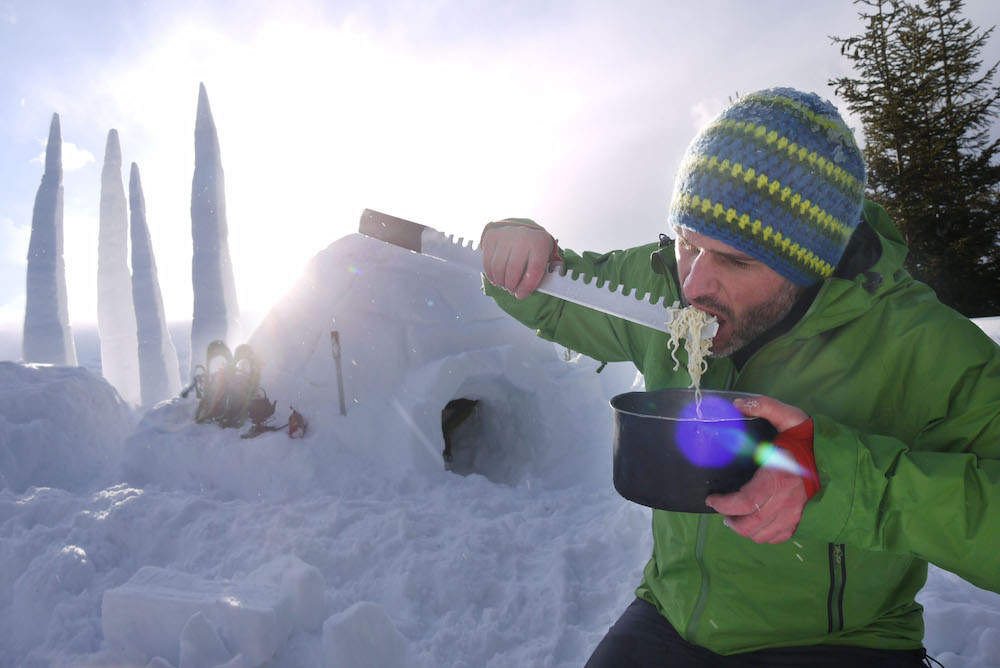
x: 296, y: 424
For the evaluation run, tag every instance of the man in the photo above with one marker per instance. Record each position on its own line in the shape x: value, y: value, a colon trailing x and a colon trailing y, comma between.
x: 889, y: 401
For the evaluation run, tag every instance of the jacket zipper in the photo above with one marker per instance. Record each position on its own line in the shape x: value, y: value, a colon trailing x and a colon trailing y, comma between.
x: 838, y: 581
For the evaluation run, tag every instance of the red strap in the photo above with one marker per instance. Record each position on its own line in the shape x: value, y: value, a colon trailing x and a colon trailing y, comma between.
x: 799, y: 441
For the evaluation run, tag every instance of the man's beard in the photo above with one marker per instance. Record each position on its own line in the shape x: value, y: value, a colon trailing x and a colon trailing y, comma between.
x: 755, y: 321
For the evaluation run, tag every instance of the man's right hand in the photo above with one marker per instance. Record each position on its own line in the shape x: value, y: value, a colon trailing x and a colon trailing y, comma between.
x: 516, y: 256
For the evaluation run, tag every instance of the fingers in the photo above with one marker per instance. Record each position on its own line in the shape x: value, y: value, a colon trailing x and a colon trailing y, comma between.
x: 781, y: 415
x: 767, y: 509
x: 534, y: 270
x: 515, y: 258
x: 770, y: 524
x: 753, y: 525
x: 736, y: 504
x: 749, y: 498
x: 495, y: 266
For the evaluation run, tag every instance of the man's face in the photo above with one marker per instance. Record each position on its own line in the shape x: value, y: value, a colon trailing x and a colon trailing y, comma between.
x: 745, y: 295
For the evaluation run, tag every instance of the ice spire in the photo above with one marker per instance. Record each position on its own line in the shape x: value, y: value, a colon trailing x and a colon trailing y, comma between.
x: 47, y: 334
x: 159, y: 373
x: 115, y: 312
x: 216, y: 312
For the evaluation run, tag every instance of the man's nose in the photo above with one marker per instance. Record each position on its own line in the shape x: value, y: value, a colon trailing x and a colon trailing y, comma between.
x: 701, y: 280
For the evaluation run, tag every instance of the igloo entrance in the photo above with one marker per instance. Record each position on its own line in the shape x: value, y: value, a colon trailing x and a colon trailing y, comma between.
x: 498, y: 434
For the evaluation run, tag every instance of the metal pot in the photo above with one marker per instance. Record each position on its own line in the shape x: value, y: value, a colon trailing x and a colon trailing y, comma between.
x: 667, y: 456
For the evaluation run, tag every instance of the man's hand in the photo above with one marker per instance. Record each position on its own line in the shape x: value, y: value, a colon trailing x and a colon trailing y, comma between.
x: 768, y: 508
x: 515, y: 256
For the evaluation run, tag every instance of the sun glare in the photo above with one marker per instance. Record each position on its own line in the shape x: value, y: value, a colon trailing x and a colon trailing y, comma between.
x: 315, y: 124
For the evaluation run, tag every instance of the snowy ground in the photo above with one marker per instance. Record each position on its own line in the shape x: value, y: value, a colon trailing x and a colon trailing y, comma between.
x: 151, y: 541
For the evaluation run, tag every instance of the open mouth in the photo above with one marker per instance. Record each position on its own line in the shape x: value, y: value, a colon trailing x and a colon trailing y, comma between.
x: 715, y: 314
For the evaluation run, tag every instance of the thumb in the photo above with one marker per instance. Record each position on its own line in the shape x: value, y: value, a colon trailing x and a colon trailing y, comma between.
x: 781, y: 415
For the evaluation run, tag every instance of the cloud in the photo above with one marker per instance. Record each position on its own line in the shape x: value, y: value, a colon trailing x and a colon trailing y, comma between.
x: 7, y: 14
x: 73, y: 157
x: 13, y: 243
x: 13, y: 262
x: 12, y: 313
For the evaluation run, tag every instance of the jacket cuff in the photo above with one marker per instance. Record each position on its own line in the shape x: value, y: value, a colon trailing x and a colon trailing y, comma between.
x: 835, y: 449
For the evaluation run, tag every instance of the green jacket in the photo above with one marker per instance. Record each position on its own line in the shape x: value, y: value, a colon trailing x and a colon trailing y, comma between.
x: 905, y: 394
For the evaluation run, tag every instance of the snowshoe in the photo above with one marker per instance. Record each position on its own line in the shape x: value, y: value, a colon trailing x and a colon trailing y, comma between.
x: 240, y: 387
x: 213, y: 402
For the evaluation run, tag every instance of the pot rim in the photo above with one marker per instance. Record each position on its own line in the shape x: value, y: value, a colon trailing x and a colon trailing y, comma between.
x: 727, y: 393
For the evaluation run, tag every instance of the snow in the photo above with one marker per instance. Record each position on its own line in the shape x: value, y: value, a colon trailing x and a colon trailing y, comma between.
x: 143, y: 539
x: 216, y: 311
x: 47, y: 334
x: 115, y: 312
x: 159, y: 373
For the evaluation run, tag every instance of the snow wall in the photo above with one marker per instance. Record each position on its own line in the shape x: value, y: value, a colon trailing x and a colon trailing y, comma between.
x: 60, y: 426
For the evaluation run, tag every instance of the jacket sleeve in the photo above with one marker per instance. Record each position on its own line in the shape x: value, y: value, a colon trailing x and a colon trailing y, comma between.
x: 595, y: 334
x: 936, y: 497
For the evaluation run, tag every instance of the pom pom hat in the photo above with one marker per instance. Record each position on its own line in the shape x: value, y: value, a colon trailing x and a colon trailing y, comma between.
x: 778, y: 176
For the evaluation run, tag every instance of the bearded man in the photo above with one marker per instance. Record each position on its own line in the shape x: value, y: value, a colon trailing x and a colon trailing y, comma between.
x: 888, y: 400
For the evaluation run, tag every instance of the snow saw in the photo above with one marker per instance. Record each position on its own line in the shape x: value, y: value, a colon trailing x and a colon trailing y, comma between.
x: 604, y: 296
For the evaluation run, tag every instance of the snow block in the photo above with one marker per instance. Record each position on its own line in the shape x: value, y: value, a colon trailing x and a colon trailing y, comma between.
x: 201, y: 646
x: 192, y: 622
x: 363, y: 636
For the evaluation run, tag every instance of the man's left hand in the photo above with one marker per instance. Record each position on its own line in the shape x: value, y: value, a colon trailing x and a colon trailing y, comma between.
x: 767, y: 509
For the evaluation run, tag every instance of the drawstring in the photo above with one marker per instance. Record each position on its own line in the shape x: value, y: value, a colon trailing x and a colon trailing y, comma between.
x: 927, y: 658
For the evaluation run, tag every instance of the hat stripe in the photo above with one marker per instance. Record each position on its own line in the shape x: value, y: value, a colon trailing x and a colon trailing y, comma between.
x: 823, y: 121
x: 781, y: 196
x: 798, y: 254
x: 770, y: 139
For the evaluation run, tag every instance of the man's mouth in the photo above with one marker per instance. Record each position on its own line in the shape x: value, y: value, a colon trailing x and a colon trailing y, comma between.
x: 720, y: 318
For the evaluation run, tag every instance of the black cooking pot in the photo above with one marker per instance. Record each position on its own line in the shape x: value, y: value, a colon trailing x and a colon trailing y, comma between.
x: 667, y: 456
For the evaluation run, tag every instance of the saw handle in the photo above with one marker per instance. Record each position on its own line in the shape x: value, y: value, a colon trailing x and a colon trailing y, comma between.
x: 392, y: 230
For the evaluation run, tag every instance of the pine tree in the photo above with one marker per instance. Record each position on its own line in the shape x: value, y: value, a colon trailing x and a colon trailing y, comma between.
x: 927, y: 108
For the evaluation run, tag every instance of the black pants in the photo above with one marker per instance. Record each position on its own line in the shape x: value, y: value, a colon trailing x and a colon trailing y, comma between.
x: 643, y: 638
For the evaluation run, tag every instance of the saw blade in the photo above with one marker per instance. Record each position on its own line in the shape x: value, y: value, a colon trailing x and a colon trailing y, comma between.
x: 575, y: 287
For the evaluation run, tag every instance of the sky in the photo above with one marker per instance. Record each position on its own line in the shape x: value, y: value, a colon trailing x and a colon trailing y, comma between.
x: 451, y: 113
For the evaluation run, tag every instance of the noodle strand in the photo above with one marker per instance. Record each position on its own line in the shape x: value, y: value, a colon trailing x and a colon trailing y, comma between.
x: 688, y: 323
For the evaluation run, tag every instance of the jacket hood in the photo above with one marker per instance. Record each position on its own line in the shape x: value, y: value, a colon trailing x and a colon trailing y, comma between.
x: 860, y: 282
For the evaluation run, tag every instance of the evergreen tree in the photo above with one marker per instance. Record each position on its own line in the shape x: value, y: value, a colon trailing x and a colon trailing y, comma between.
x: 927, y: 108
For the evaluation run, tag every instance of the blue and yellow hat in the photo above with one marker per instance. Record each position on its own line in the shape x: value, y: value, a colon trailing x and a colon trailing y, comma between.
x: 778, y: 176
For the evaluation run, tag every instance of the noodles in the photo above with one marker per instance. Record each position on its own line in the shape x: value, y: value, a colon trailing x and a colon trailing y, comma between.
x: 688, y: 323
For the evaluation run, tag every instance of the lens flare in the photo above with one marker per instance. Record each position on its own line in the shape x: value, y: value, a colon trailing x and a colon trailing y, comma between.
x: 718, y: 438
x: 771, y: 456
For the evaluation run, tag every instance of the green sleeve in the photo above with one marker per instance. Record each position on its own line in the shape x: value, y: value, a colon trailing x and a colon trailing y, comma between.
x: 595, y: 334
x: 935, y: 498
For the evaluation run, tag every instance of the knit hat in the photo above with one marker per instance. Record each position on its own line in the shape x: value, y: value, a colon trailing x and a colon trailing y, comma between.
x: 776, y: 175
